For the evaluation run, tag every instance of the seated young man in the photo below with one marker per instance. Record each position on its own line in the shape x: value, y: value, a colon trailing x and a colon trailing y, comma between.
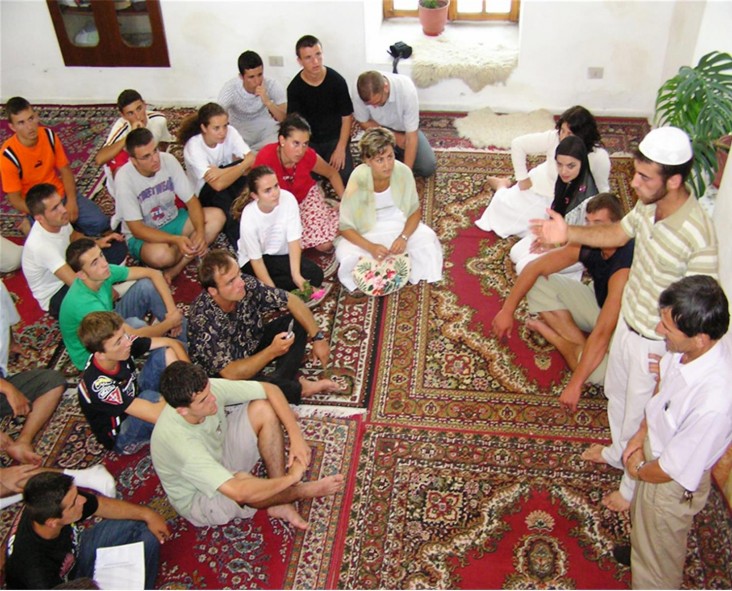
x: 256, y: 104
x: 47, y: 548
x: 33, y: 155
x: 320, y: 95
x: 568, y: 308
x: 121, y: 407
x: 134, y: 114
x: 14, y: 478
x: 157, y: 232
x: 209, y: 481
x: 229, y: 338
x: 33, y: 394
x: 44, y: 252
x: 92, y: 291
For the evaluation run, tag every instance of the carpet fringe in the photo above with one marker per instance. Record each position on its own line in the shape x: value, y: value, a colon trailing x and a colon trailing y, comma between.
x: 310, y: 411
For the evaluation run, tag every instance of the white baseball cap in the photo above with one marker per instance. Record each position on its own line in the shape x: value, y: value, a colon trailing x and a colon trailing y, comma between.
x: 667, y: 145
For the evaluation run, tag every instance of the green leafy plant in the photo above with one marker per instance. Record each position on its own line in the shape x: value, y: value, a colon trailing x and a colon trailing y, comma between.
x: 699, y: 101
x: 432, y: 3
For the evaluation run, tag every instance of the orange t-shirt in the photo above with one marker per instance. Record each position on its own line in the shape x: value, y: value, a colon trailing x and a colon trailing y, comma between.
x: 39, y: 164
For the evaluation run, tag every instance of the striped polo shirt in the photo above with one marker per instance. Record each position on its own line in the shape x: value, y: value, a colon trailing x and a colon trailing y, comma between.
x: 665, y: 251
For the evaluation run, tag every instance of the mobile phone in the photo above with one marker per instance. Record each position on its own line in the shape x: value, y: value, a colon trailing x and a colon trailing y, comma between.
x: 290, y: 332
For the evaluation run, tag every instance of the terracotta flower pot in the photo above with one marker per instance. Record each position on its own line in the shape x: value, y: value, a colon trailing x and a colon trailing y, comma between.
x: 433, y: 19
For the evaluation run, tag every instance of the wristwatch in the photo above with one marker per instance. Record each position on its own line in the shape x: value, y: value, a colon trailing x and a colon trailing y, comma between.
x: 638, y: 468
x: 318, y: 336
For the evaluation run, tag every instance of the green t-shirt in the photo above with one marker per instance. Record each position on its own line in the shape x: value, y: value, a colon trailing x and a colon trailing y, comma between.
x: 78, y: 302
x: 188, y: 457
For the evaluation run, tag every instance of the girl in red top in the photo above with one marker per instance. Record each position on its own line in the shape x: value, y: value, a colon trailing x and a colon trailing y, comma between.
x: 293, y: 161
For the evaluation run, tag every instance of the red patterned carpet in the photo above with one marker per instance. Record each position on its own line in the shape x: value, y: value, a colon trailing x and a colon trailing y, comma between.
x: 468, y: 452
x: 464, y: 474
x: 257, y: 554
x: 478, y: 511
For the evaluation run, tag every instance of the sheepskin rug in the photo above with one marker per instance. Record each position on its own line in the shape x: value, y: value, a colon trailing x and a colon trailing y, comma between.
x: 477, y: 64
x: 484, y: 128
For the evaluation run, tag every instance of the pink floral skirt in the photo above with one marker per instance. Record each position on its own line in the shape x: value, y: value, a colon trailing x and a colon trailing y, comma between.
x: 319, y: 220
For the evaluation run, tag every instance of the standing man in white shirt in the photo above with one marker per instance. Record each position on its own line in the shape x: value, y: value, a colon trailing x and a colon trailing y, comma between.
x: 686, y: 429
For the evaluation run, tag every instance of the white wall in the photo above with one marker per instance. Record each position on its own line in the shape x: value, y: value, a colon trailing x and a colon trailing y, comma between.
x: 714, y: 31
x: 558, y: 42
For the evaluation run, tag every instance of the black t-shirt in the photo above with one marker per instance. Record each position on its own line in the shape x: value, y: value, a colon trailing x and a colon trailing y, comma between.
x: 104, y: 397
x: 322, y: 106
x: 36, y: 563
x: 602, y: 269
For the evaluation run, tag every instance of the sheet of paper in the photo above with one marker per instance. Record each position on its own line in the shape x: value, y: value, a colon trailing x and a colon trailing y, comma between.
x: 121, y: 567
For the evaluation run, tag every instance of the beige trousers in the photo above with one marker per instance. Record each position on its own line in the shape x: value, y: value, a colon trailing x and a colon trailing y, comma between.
x: 661, y: 520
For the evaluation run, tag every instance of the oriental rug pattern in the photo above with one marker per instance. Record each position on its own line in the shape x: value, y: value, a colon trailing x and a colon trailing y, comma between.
x: 473, y: 511
x: 439, y: 364
x: 256, y: 554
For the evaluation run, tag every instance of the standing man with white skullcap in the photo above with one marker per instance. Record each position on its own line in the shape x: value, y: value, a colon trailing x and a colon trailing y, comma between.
x: 674, y: 238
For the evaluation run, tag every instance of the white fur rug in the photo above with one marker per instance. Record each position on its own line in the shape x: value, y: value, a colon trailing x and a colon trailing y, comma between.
x: 477, y: 64
x: 484, y: 128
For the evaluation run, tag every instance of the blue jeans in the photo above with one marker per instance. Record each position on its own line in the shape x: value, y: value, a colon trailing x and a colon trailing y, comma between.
x: 142, y: 298
x: 134, y: 432
x: 91, y: 220
x: 116, y: 532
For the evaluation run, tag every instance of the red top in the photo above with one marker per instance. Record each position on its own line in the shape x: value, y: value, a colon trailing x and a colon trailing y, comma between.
x: 296, y: 180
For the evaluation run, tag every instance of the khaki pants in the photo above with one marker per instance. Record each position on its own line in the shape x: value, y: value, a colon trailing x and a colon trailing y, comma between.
x: 661, y: 520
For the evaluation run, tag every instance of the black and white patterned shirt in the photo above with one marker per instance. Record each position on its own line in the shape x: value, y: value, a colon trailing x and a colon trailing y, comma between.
x: 216, y: 338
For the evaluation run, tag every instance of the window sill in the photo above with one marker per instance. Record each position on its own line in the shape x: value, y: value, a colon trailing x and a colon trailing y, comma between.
x: 409, y: 30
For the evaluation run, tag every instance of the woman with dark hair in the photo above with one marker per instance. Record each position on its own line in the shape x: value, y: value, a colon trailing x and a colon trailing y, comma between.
x: 217, y: 160
x: 574, y: 186
x: 270, y: 228
x: 293, y: 161
x: 512, y: 207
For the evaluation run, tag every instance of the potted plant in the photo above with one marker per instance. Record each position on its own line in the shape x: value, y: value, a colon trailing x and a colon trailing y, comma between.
x: 699, y: 101
x: 433, y: 16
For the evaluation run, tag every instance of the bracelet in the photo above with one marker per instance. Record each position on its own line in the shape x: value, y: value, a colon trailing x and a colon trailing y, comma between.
x: 638, y: 468
x: 404, y: 237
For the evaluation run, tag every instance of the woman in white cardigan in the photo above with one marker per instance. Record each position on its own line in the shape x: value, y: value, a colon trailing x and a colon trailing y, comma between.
x: 512, y: 206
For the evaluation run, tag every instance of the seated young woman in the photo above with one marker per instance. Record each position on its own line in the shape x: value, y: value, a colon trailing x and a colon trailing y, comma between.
x: 512, y: 206
x: 293, y: 162
x: 574, y: 187
x: 270, y: 232
x: 380, y: 214
x: 217, y: 160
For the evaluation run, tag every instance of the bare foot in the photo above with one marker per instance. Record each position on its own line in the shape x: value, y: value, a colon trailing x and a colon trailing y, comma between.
x: 496, y: 182
x: 310, y: 388
x: 23, y: 453
x: 616, y: 502
x: 542, y: 328
x: 594, y: 454
x: 324, y: 487
x: 168, y: 277
x: 289, y: 514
